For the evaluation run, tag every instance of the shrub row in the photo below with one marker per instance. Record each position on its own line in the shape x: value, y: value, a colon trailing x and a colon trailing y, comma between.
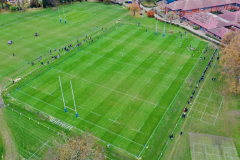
x: 196, y: 27
x: 116, y: 3
x: 212, y: 37
x: 155, y: 5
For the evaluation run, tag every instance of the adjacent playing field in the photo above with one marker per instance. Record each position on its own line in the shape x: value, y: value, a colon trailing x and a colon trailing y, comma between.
x: 205, y: 146
x: 123, y: 85
x: 20, y: 27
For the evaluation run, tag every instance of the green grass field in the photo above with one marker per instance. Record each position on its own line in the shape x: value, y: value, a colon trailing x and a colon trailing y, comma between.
x: 130, y: 85
x: 205, y: 146
x: 20, y: 27
x: 121, y: 92
x: 214, y: 111
x: 1, y: 147
x: 32, y: 140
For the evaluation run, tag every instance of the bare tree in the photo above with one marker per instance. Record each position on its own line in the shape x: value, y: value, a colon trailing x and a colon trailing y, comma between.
x: 53, y: 3
x: 34, y: 3
x: 17, y: 4
x: 228, y: 37
x: 171, y: 16
x: 164, y: 2
x: 230, y: 61
x: 139, y: 2
x: 76, y: 148
x: 161, y: 5
x: 23, y: 4
x: 6, y: 5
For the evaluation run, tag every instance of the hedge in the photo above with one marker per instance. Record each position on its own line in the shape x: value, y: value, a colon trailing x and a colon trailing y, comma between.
x: 12, y: 8
x: 149, y: 6
x: 212, y: 37
x: 195, y: 27
x: 116, y: 3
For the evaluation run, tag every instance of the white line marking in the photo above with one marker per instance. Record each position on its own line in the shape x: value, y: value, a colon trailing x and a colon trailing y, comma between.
x: 53, y: 91
x: 114, y: 121
x: 148, y: 81
x: 218, y: 110
x: 206, y: 151
x: 109, y: 88
x: 135, y: 66
x: 33, y: 154
x: 69, y: 124
x: 169, y: 106
x: 118, y: 72
x: 210, y: 99
x: 82, y: 118
x: 206, y: 106
x: 96, y: 113
x: 204, y: 113
x: 38, y: 149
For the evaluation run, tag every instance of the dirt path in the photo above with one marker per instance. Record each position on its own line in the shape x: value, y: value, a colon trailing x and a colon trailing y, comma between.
x: 10, y: 152
x: 187, y: 117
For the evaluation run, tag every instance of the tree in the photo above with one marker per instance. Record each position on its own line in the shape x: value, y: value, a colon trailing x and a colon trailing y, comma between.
x: 139, y: 2
x: 228, y: 37
x: 53, y: 3
x: 171, y: 16
x: 24, y: 2
x: 76, y: 147
x: 149, y: 1
x: 134, y: 7
x: 44, y: 3
x: 230, y: 61
x: 150, y: 13
x: 161, y: 5
x: 6, y: 5
x: 34, y: 3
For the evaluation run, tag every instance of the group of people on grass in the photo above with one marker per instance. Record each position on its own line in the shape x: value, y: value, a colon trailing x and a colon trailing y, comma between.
x: 70, y: 46
x: 201, y: 79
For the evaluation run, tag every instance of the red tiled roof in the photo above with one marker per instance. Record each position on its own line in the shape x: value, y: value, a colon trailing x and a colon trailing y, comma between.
x: 207, y: 20
x: 225, y: 11
x: 196, y: 4
x: 219, y: 31
x: 233, y: 24
x: 232, y: 16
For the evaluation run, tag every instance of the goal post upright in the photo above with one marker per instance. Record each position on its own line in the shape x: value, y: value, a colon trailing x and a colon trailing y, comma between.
x: 74, y: 100
x: 156, y: 26
x: 65, y: 109
x: 59, y: 13
x: 64, y: 15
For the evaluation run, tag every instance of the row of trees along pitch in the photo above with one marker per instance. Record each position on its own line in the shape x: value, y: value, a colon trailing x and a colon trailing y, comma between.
x: 230, y: 60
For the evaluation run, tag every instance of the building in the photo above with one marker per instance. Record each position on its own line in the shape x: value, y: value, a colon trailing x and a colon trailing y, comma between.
x: 11, y: 1
x: 189, y: 7
x: 170, y: 1
x: 214, y: 25
x: 200, y: 13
